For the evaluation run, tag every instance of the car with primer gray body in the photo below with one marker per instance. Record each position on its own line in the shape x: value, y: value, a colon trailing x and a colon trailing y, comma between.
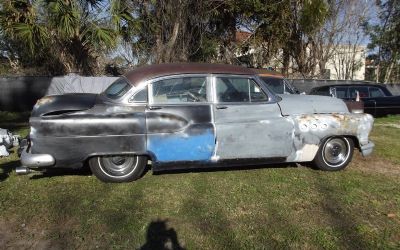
x: 190, y: 116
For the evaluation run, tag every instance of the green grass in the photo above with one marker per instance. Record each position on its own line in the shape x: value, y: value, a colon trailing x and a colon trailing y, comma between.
x: 386, y: 136
x: 270, y: 207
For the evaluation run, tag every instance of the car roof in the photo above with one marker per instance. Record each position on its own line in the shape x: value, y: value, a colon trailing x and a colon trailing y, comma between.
x: 268, y: 73
x: 158, y: 70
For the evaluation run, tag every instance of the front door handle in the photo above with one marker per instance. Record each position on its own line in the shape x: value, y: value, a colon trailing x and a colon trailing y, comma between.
x: 221, y: 107
x: 154, y: 107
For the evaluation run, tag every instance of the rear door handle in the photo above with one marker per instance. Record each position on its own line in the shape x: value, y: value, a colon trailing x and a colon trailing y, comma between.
x: 154, y: 107
x: 221, y: 107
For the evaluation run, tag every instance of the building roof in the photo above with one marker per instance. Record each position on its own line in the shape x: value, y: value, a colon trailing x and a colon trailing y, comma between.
x: 241, y: 36
x: 158, y: 70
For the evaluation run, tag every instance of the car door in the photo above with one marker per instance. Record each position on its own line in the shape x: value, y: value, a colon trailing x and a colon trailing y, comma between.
x: 179, y: 119
x: 248, y: 121
x: 383, y: 105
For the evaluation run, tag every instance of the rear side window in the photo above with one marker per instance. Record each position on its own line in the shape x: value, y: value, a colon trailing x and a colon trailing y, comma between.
x: 363, y: 91
x: 231, y: 89
x: 375, y: 92
x: 180, y: 90
x: 118, y: 88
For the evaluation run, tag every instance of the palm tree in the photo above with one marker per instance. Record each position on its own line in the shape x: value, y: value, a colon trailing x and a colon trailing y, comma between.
x: 73, y: 34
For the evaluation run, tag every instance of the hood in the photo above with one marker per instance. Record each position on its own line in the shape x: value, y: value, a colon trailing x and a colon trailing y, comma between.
x: 311, y: 104
x: 59, y: 104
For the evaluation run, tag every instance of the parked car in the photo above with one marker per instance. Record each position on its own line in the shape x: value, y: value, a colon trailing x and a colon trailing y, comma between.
x: 190, y: 115
x: 276, y: 82
x: 377, y: 99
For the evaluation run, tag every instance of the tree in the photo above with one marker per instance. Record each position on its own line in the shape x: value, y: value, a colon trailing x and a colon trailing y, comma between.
x: 306, y: 18
x: 171, y: 31
x: 385, y: 38
x: 66, y: 35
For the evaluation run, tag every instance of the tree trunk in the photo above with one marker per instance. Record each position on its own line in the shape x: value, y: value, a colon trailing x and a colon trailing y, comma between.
x: 171, y: 43
x: 389, y: 72
x: 377, y: 72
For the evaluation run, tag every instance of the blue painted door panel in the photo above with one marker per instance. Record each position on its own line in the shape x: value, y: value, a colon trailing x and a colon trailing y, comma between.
x: 180, y: 133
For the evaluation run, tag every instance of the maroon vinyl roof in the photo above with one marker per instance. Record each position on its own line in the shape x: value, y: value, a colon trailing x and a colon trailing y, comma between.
x: 157, y: 70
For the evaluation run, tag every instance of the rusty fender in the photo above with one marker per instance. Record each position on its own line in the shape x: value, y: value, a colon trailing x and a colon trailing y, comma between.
x: 310, y: 130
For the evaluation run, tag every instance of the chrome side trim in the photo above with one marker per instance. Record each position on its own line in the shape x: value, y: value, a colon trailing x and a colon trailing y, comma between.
x: 36, y: 160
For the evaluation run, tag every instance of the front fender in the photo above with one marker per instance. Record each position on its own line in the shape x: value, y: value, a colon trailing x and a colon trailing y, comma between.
x: 312, y: 129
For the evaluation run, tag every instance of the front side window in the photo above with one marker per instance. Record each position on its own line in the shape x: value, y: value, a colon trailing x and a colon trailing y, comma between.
x: 289, y: 89
x: 118, y: 88
x: 341, y: 92
x: 321, y: 91
x: 235, y: 89
x: 180, y: 90
x: 375, y: 92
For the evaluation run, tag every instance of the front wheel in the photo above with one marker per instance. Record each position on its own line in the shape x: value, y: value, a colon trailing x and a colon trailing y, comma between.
x: 334, y: 154
x: 118, y: 168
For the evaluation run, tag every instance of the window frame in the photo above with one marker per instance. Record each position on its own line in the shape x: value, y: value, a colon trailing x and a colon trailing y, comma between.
x: 333, y: 90
x: 135, y: 92
x: 150, y: 97
x: 271, y: 98
x: 350, y: 88
x: 374, y: 87
x: 122, y: 97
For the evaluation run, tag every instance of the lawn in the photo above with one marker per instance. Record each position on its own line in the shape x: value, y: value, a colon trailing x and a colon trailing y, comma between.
x: 270, y: 207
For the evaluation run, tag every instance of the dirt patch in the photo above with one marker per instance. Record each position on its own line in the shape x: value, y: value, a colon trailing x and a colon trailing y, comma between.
x: 36, y: 234
x: 375, y: 164
x: 18, y: 235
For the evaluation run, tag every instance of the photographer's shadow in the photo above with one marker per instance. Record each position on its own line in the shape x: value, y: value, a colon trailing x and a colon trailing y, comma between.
x: 159, y: 236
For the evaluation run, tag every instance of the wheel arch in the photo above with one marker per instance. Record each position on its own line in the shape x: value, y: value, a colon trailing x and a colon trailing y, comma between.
x: 88, y: 157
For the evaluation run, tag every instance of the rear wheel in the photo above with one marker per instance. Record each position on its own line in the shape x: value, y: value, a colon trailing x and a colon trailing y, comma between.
x: 118, y: 168
x: 334, y: 154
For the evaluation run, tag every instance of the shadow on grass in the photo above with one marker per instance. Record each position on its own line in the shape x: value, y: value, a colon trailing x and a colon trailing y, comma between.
x: 56, y: 172
x: 339, y: 218
x: 159, y: 236
x: 225, y: 168
x: 13, y: 126
x: 7, y: 168
x: 85, y: 171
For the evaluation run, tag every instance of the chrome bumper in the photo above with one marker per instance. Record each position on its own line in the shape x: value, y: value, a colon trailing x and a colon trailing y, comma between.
x: 36, y: 160
x: 367, y: 148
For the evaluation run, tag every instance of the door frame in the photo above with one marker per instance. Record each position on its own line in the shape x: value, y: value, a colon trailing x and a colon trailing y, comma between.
x: 273, y: 99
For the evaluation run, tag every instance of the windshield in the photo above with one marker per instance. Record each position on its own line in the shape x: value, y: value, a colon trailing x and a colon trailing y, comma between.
x: 118, y: 88
x: 278, y: 85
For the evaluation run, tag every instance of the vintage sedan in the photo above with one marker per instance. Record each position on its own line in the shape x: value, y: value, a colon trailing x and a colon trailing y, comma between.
x: 190, y: 115
x: 376, y: 98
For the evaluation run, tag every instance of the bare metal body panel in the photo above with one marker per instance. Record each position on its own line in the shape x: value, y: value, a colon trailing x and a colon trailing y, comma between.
x: 73, y: 128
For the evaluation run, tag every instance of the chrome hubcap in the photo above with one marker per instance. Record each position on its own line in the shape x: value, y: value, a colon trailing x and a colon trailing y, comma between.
x: 336, y: 151
x: 118, y: 165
